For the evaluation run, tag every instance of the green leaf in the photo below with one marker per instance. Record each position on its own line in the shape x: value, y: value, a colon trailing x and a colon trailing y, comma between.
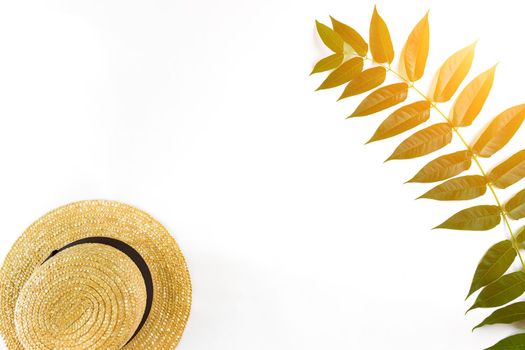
x: 451, y: 74
x: 501, y: 291
x: 514, y: 342
x: 515, y: 207
x: 366, y: 80
x: 520, y: 235
x: 330, y: 38
x: 472, y: 98
x: 415, y: 51
x: 380, y: 42
x: 459, y: 188
x: 508, y: 314
x: 402, y: 119
x: 493, y: 265
x: 351, y: 36
x: 346, y: 72
x: 423, y: 142
x: 509, y: 172
x: 444, y: 167
x: 478, y: 218
x: 499, y: 131
x: 328, y: 63
x: 380, y: 99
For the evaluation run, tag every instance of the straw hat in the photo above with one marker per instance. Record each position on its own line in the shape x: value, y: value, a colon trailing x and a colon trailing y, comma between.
x: 94, y: 275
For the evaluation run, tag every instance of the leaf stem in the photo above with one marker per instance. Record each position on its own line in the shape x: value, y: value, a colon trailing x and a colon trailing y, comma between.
x: 474, y: 157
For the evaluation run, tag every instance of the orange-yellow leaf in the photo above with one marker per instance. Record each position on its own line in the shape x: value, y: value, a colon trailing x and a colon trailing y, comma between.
x: 515, y: 207
x: 403, y: 119
x: 478, y: 218
x: 509, y: 172
x: 343, y: 74
x: 444, y: 167
x: 351, y: 36
x: 380, y: 42
x: 459, y: 188
x: 452, y: 73
x: 423, y: 142
x: 365, y: 81
x: 328, y: 63
x: 470, y: 101
x: 382, y: 98
x: 330, y: 38
x: 499, y: 131
x: 415, y: 51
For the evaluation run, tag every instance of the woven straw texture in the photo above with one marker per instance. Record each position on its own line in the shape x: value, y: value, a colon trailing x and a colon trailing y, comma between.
x: 92, y: 296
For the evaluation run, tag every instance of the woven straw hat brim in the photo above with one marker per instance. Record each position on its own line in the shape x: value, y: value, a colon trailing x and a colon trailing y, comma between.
x: 171, y: 280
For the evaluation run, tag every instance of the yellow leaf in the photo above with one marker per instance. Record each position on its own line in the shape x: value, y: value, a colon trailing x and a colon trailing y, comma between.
x: 351, y: 36
x: 330, y: 38
x: 444, y: 167
x: 415, y: 51
x: 402, y: 119
x: 499, y: 131
x: 478, y: 218
x: 470, y: 101
x: 459, y: 188
x: 423, y: 142
x: 328, y: 63
x: 509, y: 172
x: 382, y: 98
x: 380, y: 42
x: 452, y: 73
x: 344, y: 73
x: 515, y: 207
x: 365, y: 81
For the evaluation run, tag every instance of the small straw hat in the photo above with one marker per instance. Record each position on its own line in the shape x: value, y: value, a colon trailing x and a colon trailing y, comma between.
x: 94, y: 275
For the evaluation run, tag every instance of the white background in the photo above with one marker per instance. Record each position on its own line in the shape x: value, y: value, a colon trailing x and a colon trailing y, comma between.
x: 203, y: 114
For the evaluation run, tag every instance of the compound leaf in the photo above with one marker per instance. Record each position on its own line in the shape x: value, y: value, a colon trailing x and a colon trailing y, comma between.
x: 415, y: 51
x: 499, y: 132
x: 365, y: 81
x: 470, y: 101
x: 444, y: 167
x: 423, y: 142
x: 403, y: 119
x: 501, y: 291
x: 330, y: 38
x: 509, y: 172
x: 350, y: 36
x: 515, y: 207
x: 477, y: 218
x: 514, y: 342
x: 452, y: 73
x: 343, y: 74
x: 508, y: 314
x: 493, y: 265
x: 380, y: 99
x: 459, y: 188
x: 328, y: 63
x: 380, y: 42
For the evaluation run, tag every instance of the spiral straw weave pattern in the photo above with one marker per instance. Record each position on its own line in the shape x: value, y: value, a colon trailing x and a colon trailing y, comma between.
x: 90, y: 296
x: 36, y: 312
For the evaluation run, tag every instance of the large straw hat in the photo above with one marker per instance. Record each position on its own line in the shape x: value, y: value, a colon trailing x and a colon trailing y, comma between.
x: 94, y: 275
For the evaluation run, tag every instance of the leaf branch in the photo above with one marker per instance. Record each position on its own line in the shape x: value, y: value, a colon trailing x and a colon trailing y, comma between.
x: 468, y: 148
x: 350, y: 51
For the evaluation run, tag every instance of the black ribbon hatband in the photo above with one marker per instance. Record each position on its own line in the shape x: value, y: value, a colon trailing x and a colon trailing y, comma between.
x: 134, y: 256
